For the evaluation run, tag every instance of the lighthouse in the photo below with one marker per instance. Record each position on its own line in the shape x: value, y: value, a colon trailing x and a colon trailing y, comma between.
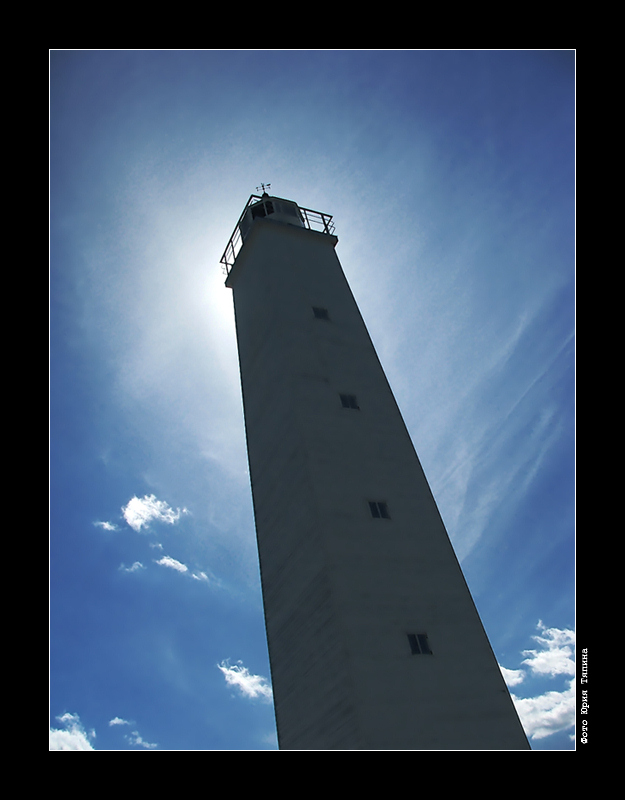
x: 374, y: 639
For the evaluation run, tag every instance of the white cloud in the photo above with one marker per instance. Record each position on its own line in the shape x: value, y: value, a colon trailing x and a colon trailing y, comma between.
x: 72, y: 736
x: 556, y: 655
x: 139, y: 512
x: 252, y: 686
x: 512, y: 677
x: 172, y: 563
x: 136, y: 566
x: 135, y: 739
x: 270, y: 739
x: 548, y: 713
x: 108, y: 526
x: 167, y: 561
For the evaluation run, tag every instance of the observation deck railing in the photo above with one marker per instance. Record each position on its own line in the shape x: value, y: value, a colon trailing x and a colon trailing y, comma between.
x: 313, y: 220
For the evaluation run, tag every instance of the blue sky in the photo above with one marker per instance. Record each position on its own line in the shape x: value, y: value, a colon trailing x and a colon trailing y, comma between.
x: 450, y: 175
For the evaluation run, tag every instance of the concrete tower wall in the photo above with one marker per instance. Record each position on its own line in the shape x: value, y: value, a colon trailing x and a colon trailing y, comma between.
x: 347, y: 586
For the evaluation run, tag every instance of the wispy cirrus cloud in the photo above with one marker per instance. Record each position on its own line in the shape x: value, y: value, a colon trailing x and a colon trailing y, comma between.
x: 133, y: 738
x: 107, y: 526
x: 134, y: 568
x: 249, y: 685
x: 496, y: 432
x: 136, y: 740
x: 72, y: 736
x: 139, y: 512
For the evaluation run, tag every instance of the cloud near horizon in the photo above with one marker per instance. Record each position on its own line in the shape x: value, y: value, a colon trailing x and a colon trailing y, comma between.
x: 550, y: 712
x: 136, y: 740
x: 72, y: 736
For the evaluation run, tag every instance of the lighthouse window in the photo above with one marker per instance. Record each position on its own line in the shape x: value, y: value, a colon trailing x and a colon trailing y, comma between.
x: 321, y: 313
x: 419, y: 644
x: 379, y: 510
x: 262, y: 209
x: 349, y: 401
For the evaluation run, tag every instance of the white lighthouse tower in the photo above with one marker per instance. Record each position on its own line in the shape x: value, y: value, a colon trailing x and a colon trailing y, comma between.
x: 374, y: 639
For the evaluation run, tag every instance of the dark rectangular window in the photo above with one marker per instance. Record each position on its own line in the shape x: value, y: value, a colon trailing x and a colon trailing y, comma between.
x: 349, y: 401
x: 379, y: 510
x: 419, y: 644
x: 321, y: 313
x: 262, y: 209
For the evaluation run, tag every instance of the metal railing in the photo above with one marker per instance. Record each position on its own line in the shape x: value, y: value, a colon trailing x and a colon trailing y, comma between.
x: 316, y: 221
x: 313, y: 220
